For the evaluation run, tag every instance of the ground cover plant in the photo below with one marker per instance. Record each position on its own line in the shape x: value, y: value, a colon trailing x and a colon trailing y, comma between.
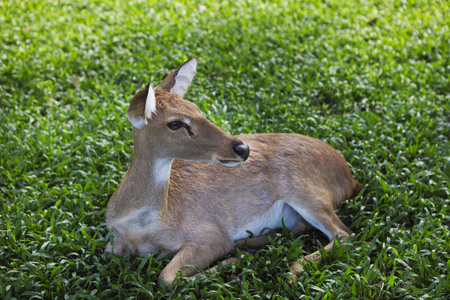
x: 372, y: 78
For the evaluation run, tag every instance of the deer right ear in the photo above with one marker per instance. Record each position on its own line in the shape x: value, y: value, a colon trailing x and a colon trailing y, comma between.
x: 142, y: 107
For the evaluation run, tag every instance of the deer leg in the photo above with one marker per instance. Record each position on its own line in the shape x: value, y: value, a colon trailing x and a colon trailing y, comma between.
x: 118, y: 248
x: 253, y: 242
x: 297, y: 267
x: 257, y: 242
x: 228, y: 261
x: 196, y: 256
x: 328, y: 222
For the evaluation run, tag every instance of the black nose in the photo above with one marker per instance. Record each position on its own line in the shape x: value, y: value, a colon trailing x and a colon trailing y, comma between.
x: 242, y: 150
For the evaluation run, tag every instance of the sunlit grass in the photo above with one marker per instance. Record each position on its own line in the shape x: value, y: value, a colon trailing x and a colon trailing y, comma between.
x: 371, y: 78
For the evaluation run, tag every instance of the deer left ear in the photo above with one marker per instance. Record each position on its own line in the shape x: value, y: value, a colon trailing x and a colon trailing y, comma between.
x: 142, y: 107
x: 179, y: 80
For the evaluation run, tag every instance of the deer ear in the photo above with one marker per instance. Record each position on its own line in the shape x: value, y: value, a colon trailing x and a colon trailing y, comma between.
x: 179, y: 80
x: 142, y: 107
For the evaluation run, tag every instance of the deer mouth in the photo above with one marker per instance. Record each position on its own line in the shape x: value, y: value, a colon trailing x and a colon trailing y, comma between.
x: 229, y: 163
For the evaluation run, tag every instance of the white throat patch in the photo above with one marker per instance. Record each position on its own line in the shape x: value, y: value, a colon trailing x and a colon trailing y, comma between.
x: 161, y: 171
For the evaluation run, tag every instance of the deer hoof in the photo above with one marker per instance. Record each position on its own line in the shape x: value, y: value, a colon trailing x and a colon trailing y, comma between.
x: 165, y: 280
x: 295, y: 270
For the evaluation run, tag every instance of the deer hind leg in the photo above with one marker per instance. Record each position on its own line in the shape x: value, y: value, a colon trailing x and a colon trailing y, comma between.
x: 295, y: 223
x: 326, y: 220
x: 258, y: 241
x: 251, y: 243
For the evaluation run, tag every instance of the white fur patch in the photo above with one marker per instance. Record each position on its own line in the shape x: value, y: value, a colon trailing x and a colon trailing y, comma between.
x: 230, y: 164
x: 184, y: 78
x: 270, y: 219
x: 138, y: 122
x: 311, y: 220
x: 136, y: 225
x: 161, y: 171
x: 150, y: 103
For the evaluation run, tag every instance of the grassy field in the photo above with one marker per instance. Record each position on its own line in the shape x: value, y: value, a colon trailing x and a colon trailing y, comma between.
x: 371, y: 78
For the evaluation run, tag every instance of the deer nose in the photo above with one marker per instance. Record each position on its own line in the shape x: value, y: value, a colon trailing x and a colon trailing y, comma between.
x: 242, y: 150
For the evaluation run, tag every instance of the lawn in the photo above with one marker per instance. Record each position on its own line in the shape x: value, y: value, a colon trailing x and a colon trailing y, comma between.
x: 371, y: 78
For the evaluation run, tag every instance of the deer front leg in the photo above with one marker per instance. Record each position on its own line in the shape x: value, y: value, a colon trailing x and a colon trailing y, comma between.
x: 118, y: 248
x: 252, y: 243
x: 197, y: 256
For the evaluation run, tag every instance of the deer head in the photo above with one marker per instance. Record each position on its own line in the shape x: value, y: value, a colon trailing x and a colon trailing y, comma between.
x: 170, y: 127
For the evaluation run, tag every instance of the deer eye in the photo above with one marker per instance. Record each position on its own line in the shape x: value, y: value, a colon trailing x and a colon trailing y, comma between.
x: 175, y: 125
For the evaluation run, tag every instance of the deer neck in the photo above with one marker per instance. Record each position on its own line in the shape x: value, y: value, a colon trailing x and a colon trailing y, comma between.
x: 146, y: 184
x: 152, y: 176
x: 153, y: 169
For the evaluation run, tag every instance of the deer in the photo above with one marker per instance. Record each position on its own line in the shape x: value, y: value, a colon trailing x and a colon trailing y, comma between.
x: 197, y: 192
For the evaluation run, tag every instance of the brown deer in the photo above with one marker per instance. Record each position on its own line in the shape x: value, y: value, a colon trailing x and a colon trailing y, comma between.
x: 181, y: 194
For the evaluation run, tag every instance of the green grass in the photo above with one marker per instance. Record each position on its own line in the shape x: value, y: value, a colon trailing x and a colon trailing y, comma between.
x: 372, y: 78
